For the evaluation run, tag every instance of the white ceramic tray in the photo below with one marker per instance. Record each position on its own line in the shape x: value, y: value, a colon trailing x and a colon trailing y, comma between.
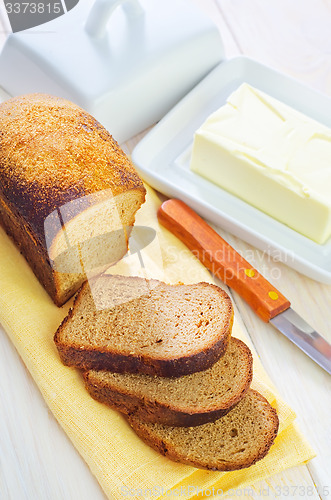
x: 162, y: 159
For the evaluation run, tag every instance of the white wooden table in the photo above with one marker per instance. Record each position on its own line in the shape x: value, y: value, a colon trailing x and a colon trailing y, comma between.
x: 38, y: 462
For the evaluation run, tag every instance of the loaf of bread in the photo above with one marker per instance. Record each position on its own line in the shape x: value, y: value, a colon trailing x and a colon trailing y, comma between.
x: 134, y: 325
x: 68, y: 193
x: 184, y: 401
x: 237, y: 440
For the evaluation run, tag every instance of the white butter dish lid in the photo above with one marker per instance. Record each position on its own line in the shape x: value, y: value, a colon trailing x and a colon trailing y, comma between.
x: 127, y: 66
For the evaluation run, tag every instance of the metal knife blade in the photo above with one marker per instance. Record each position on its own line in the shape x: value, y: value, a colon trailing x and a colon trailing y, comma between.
x: 295, y: 328
x: 228, y: 265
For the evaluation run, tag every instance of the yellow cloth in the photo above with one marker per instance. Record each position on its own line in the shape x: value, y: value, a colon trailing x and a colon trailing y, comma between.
x: 116, y: 456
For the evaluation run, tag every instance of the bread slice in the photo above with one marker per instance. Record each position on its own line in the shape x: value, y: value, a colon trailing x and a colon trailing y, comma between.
x: 235, y: 441
x: 130, y: 324
x: 185, y: 401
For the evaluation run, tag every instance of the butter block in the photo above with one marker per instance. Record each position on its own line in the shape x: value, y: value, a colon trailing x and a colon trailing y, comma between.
x: 271, y: 156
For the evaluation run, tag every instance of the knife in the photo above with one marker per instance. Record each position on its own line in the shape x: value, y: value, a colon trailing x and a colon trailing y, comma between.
x: 228, y: 265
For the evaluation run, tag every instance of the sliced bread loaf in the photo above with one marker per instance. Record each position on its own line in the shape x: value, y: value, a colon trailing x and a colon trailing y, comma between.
x: 145, y: 326
x: 235, y: 441
x: 185, y: 401
x: 68, y: 193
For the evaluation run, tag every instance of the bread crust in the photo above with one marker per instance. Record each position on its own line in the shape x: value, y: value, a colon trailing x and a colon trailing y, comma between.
x: 152, y: 410
x: 95, y: 359
x: 169, y: 450
x: 32, y: 249
x: 52, y: 152
x: 102, y: 359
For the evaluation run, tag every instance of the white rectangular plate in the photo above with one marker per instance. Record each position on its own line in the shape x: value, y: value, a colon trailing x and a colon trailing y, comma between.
x: 163, y: 156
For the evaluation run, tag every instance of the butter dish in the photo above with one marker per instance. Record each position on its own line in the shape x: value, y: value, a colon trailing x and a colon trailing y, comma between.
x: 163, y: 159
x: 127, y: 62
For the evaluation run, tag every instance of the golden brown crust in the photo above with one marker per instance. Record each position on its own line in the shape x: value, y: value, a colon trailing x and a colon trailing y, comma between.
x: 52, y: 152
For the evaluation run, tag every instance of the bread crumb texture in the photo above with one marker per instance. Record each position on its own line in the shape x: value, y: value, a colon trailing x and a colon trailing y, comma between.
x: 218, y: 387
x: 147, y: 317
x: 235, y: 441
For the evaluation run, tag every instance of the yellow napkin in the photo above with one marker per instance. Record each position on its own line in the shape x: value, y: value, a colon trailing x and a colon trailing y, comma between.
x: 121, y: 462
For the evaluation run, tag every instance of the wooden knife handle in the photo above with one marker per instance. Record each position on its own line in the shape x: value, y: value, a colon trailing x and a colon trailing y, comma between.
x: 221, y: 259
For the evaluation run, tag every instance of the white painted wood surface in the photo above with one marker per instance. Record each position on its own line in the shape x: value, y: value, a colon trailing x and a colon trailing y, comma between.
x: 38, y: 462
